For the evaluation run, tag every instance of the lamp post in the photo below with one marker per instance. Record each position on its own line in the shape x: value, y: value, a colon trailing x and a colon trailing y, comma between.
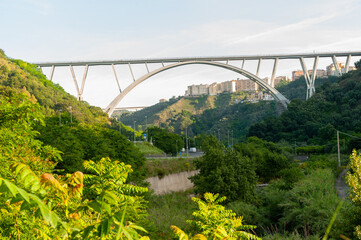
x: 134, y: 131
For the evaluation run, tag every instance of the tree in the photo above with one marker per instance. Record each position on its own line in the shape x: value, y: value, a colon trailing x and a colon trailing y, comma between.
x: 212, y: 221
x: 354, y: 181
x: 168, y: 142
x: 225, y: 171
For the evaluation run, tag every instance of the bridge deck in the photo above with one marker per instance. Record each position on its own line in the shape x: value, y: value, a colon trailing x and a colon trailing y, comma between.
x: 173, y: 60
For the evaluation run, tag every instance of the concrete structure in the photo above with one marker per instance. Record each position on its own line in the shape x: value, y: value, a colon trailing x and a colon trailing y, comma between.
x: 213, y: 61
x: 197, y: 90
x: 246, y: 85
x: 171, y: 183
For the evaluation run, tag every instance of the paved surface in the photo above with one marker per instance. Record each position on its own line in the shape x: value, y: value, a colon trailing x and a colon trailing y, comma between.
x: 342, y: 188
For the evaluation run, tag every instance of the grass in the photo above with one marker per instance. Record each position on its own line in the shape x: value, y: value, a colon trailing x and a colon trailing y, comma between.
x: 162, y: 167
x: 169, y: 209
x: 147, y: 148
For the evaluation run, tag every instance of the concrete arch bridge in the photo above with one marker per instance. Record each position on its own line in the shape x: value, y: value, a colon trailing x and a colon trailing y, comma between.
x: 170, y: 63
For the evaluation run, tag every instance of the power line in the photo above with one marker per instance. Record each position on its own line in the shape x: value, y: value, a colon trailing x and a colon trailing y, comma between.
x: 349, y: 135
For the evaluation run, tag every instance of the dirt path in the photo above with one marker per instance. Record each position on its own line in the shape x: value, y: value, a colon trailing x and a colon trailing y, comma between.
x: 341, y: 186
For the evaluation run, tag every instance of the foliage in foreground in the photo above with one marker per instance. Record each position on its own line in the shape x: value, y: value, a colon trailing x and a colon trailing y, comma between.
x: 212, y: 221
x: 354, y: 181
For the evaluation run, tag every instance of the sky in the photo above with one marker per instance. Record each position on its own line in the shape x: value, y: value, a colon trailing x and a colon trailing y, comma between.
x: 79, y: 30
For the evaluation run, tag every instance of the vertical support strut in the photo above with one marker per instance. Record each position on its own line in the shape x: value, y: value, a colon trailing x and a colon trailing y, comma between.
x: 257, y: 73
x: 52, y: 73
x: 162, y: 63
x: 313, y: 78
x: 274, y: 72
x: 131, y: 71
x: 146, y: 65
x: 337, y: 67
x: 84, y: 78
x: 76, y: 83
x: 258, y: 67
x: 243, y: 63
x: 307, y: 77
x: 116, y: 78
x: 227, y: 61
x: 347, y: 64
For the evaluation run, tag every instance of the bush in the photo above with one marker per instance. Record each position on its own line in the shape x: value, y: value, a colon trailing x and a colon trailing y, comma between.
x: 309, y: 206
x: 225, y: 171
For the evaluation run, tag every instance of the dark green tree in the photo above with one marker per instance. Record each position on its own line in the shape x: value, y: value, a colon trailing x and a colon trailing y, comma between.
x: 225, y: 171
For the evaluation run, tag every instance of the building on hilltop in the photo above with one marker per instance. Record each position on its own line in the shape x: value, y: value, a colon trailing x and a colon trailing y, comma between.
x: 245, y: 85
x: 280, y: 79
x: 297, y: 74
x: 197, y: 90
x: 332, y: 71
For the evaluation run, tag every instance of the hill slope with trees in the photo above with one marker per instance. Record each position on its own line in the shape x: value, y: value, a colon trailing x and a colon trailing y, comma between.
x: 334, y: 106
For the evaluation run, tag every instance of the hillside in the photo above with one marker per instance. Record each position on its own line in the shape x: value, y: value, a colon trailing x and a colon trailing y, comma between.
x: 84, y: 135
x: 21, y: 75
x: 165, y: 114
x: 297, y: 88
x: 334, y: 106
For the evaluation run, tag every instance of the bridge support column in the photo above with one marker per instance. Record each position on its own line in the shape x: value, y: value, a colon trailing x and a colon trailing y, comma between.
x: 347, y: 64
x: 116, y: 78
x: 337, y: 67
x: 307, y: 77
x: 81, y: 90
x: 52, y: 72
x: 274, y: 73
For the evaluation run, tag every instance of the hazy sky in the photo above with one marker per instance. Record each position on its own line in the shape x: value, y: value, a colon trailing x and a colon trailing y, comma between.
x: 44, y: 30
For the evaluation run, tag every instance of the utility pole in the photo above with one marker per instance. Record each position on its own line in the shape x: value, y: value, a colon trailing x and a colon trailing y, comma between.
x: 187, y: 141
x: 120, y: 125
x: 338, y: 149
x: 134, y: 131
x: 146, y: 127
x: 176, y: 147
x: 59, y: 117
x: 71, y: 114
x: 228, y: 138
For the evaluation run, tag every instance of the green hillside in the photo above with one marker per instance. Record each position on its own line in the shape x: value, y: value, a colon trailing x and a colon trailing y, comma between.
x: 334, y: 106
x: 21, y: 75
x: 77, y: 131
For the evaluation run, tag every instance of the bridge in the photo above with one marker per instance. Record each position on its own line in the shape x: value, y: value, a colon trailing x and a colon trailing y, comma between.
x: 224, y: 62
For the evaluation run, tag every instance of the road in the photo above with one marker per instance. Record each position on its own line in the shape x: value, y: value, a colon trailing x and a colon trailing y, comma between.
x: 342, y: 188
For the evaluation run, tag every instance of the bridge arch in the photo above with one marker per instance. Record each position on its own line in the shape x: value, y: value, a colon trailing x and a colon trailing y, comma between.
x: 274, y: 92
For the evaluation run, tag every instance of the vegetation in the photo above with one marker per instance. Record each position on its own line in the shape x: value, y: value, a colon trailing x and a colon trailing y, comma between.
x: 169, y: 209
x: 169, y: 142
x: 162, y: 167
x: 334, y: 106
x: 37, y: 203
x: 65, y: 176
x: 213, y: 221
x: 354, y: 181
x: 225, y: 171
x: 148, y: 149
